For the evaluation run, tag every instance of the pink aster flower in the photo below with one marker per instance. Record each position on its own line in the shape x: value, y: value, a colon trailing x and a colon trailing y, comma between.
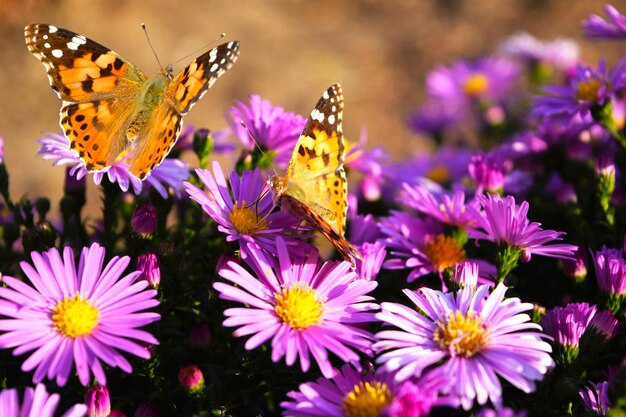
x: 614, y: 28
x: 448, y: 208
x: 566, y: 325
x: 471, y: 338
x: 304, y: 307
x: 274, y: 129
x: 242, y: 207
x: 342, y: 393
x: 350, y: 392
x: 489, y: 78
x: 37, y: 403
x: 502, y: 222
x: 169, y: 174
x: 610, y: 269
x: 81, y: 316
x: 595, y: 397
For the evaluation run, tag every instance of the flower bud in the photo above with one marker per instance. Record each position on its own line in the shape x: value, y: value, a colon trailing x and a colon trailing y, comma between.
x: 148, y: 264
x: 191, y: 379
x: 98, y: 402
x: 144, y: 220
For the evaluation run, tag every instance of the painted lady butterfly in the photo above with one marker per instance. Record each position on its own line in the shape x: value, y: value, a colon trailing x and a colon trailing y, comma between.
x: 315, y: 188
x: 110, y: 108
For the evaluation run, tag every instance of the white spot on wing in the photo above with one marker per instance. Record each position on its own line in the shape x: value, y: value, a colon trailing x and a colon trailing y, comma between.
x: 45, y: 37
x: 57, y: 53
x: 317, y: 115
x: 46, y: 45
x: 331, y: 119
x: 214, y: 68
x: 325, y: 95
x: 73, y: 46
x: 52, y: 29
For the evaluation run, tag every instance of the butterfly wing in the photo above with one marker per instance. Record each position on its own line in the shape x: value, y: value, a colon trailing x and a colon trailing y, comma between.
x: 316, y: 166
x: 80, y: 69
x: 181, y: 94
x: 100, y: 91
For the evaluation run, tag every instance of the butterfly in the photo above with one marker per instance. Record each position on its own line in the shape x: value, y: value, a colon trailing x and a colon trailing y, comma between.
x: 111, y: 110
x: 315, y: 188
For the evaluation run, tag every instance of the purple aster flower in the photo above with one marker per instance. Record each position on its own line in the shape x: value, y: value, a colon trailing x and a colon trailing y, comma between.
x: 418, y: 244
x: 598, y: 28
x: 610, y: 269
x: 170, y: 173
x: 274, y: 129
x: 587, y: 88
x: 560, y: 53
x: 567, y: 324
x: 595, y: 397
x: 364, y: 229
x: 502, y: 222
x: 605, y: 324
x: 372, y: 258
x: 242, y: 206
x: 448, y: 208
x: 487, y: 171
x: 502, y: 412
x: 436, y: 117
x: 489, y: 78
x: 37, y: 402
x: 471, y: 338
x: 83, y: 316
x: 306, y: 309
x: 343, y: 393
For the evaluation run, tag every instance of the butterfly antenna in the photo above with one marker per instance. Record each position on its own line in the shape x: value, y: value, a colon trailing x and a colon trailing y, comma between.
x: 243, y: 124
x: 203, y: 48
x: 145, y: 31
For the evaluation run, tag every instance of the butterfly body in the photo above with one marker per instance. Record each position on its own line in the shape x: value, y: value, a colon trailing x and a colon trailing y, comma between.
x: 315, y: 188
x: 111, y: 109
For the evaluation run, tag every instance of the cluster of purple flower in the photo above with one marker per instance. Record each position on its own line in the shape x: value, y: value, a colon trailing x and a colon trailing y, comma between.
x: 497, y: 305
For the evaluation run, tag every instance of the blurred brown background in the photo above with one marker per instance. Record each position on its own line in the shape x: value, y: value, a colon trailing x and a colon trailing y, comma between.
x: 290, y: 52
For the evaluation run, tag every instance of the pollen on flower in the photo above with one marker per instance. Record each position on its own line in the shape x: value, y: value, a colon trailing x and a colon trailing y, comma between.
x: 439, y: 174
x: 75, y: 317
x: 367, y: 399
x: 443, y: 252
x: 476, y: 85
x: 299, y: 307
x: 588, y: 91
x: 461, y: 335
x: 246, y: 220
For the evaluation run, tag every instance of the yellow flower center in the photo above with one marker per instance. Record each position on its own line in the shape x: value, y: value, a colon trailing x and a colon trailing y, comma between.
x: 439, y: 174
x: 476, y: 85
x: 367, y: 399
x: 588, y: 91
x: 461, y: 335
x: 245, y: 220
x: 298, y: 306
x: 443, y: 252
x: 74, y: 317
